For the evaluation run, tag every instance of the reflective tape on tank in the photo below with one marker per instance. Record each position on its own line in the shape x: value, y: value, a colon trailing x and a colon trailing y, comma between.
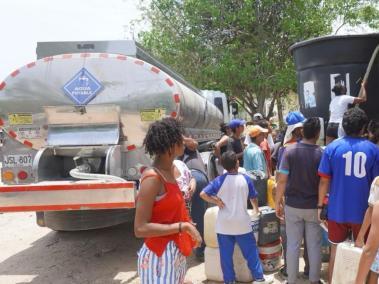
x: 28, y: 143
x: 169, y: 82
x: 155, y: 70
x: 48, y: 59
x: 15, y: 73
x: 67, y: 196
x: 12, y: 133
x: 31, y: 64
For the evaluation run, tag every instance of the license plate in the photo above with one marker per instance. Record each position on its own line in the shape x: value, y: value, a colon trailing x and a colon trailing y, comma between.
x: 13, y: 161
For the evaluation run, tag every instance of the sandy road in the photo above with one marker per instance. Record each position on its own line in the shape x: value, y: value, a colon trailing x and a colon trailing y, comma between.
x: 31, y: 254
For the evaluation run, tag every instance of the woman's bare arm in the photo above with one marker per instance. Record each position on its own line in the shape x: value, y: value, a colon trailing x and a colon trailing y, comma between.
x: 371, y: 247
x: 222, y: 142
x: 362, y: 95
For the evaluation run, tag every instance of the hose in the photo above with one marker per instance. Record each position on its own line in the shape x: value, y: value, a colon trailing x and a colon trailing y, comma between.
x: 368, y: 70
x: 75, y: 173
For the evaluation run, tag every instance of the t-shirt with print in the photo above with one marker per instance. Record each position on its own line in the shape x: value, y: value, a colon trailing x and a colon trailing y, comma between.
x: 352, y: 164
x: 184, y: 179
x: 374, y: 192
x: 300, y: 162
x: 234, y: 190
x: 338, y: 106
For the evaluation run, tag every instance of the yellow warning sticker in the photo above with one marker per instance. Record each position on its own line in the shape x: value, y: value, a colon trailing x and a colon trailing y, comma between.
x: 20, y: 118
x: 152, y: 114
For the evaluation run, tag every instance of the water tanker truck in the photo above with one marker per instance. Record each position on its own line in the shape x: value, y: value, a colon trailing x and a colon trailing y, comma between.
x: 73, y: 123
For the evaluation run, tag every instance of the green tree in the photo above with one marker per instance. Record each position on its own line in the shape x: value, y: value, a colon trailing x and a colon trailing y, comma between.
x: 241, y: 46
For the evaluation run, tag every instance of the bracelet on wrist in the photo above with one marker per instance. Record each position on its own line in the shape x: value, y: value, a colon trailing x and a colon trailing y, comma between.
x: 320, y: 206
x: 180, y: 227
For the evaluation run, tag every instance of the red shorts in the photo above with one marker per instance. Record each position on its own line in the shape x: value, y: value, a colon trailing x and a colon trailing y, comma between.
x: 339, y: 232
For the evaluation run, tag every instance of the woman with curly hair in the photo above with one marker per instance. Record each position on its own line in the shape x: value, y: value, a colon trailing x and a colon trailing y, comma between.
x: 161, y: 216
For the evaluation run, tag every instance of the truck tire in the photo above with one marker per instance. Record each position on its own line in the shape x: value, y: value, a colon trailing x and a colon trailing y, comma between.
x: 79, y: 220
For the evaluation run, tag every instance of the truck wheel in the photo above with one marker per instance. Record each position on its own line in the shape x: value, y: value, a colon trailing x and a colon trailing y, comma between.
x: 79, y: 220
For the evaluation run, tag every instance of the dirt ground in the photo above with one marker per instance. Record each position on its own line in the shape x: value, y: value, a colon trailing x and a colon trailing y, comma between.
x: 31, y: 254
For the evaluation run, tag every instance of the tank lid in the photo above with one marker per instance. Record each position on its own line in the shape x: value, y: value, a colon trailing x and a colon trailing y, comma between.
x: 330, y: 38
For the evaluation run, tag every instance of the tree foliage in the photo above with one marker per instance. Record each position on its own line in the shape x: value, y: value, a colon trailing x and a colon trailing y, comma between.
x: 241, y: 46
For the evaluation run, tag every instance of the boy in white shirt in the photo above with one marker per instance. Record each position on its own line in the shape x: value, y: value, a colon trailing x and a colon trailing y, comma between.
x: 230, y: 193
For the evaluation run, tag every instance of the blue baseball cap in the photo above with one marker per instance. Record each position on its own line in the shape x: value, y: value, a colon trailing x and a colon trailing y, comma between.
x: 295, y: 117
x: 234, y: 123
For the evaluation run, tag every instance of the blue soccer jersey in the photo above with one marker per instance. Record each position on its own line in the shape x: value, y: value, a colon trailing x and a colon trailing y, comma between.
x: 352, y: 164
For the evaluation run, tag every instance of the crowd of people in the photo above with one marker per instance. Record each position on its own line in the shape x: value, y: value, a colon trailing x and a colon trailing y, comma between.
x: 170, y: 204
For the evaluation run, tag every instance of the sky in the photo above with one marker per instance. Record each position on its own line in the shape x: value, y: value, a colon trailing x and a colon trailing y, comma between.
x: 25, y: 22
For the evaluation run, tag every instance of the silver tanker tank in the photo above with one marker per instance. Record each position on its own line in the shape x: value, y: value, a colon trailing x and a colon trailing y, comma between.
x: 89, y: 105
x: 140, y: 91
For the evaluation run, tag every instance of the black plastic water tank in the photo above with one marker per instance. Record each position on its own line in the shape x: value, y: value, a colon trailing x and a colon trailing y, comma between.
x: 323, y: 62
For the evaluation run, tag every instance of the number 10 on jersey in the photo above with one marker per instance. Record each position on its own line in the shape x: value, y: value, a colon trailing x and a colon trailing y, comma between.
x: 355, y: 165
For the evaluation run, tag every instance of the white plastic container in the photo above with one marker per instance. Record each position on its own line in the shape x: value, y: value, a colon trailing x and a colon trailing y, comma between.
x: 271, y: 256
x: 210, y: 237
x: 346, y: 263
x: 212, y: 265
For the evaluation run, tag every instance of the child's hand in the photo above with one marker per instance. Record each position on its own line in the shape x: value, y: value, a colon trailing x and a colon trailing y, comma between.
x: 220, y: 203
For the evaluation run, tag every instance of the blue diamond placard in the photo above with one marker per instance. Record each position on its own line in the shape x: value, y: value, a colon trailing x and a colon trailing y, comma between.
x: 82, y: 88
